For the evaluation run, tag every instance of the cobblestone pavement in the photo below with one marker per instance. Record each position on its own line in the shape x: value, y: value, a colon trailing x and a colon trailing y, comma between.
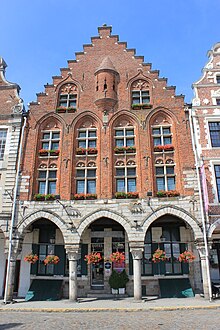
x: 181, y: 319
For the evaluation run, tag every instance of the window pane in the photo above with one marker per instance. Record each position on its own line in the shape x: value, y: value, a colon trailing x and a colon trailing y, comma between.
x: 80, y: 173
x: 80, y: 186
x: 218, y: 79
x: 119, y: 133
x: 119, y: 143
x: 91, y: 173
x: 214, y: 128
x: 41, y: 188
x: 82, y: 144
x: 167, y: 140
x: 160, y: 170
x: 63, y: 97
x: 72, y: 103
x: 120, y: 185
x: 145, y: 100
x: 72, y: 96
x: 170, y: 169
x: 157, y: 141
x: 131, y: 185
x: 45, y: 145
x: 166, y: 130
x: 82, y: 134
x: 160, y: 183
x: 145, y: 93
x: 156, y: 131
x: 129, y: 142
x: 129, y: 132
x: 120, y: 171
x: 92, y: 144
x: 55, y: 145
x: 91, y: 186
x: 46, y: 136
x: 218, y: 101
x: 52, y: 187
x: 92, y: 133
x: 135, y: 93
x: 42, y: 174
x: 171, y: 183
x: 131, y: 171
x: 52, y: 174
x: 55, y: 135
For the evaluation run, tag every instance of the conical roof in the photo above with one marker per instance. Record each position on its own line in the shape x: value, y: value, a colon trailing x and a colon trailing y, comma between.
x: 106, y: 65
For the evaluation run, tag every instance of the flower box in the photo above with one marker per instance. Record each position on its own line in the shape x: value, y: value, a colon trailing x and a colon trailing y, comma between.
x: 166, y: 147
x: 139, y: 106
x: 122, y: 195
x: 47, y: 197
x: 136, y: 106
x: 71, y: 110
x: 147, y: 106
x: 92, y: 151
x: 90, y: 196
x: 43, y: 152
x: 78, y: 197
x: 119, y: 150
x: 61, y: 109
x: 54, y: 152
x: 169, y: 193
x: 81, y: 151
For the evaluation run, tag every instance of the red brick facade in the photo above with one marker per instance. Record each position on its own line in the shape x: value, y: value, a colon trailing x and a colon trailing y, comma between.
x: 94, y: 93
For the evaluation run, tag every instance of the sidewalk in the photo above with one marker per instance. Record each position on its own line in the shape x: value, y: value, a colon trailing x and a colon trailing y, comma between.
x: 122, y: 304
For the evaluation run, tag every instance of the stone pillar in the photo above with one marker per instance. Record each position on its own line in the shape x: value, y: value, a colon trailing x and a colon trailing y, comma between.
x: 205, y: 271
x: 137, y: 255
x: 73, y: 256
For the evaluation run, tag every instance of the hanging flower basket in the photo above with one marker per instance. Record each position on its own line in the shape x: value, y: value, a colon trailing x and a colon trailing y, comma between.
x: 159, y: 255
x: 93, y: 258
x: 51, y: 259
x: 187, y: 256
x: 117, y: 257
x: 31, y: 258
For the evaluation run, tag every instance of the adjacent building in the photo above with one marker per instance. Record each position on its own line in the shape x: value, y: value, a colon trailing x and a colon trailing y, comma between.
x: 205, y: 118
x: 109, y: 166
x: 11, y: 108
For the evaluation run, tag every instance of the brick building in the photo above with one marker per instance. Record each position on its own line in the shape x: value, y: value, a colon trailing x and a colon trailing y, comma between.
x: 206, y: 136
x: 109, y: 166
x: 11, y: 106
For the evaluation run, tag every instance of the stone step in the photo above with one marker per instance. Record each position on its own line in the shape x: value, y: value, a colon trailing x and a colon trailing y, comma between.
x: 106, y: 295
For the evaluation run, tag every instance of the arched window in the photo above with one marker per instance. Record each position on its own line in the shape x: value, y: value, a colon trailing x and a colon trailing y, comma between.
x: 125, y: 176
x: 86, y: 178
x: 67, y: 98
x: 165, y: 175
x: 47, y: 179
x: 140, y: 94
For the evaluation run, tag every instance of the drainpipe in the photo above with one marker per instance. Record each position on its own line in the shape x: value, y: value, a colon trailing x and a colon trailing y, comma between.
x: 8, y: 296
x: 201, y: 198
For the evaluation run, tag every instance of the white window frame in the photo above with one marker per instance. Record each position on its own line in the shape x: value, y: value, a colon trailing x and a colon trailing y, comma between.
x: 124, y: 136
x: 50, y: 140
x: 3, y: 144
x: 141, y: 97
x: 125, y: 176
x: 161, y: 135
x: 68, y: 100
x: 86, y: 178
x: 47, y: 179
x: 86, y: 138
x: 165, y: 175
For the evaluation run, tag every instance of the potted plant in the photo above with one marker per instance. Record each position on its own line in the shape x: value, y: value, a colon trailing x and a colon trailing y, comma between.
x: 93, y: 258
x: 51, y: 259
x: 92, y: 151
x: 158, y: 148
x: 132, y: 195
x: 78, y: 197
x: 39, y: 197
x: 61, y: 109
x: 169, y: 193
x: 136, y: 106
x: 130, y: 149
x: 31, y: 258
x: 159, y: 255
x: 186, y: 256
x: 118, y: 281
x: 117, y: 257
x: 71, y: 109
x: 123, y: 280
x: 50, y: 197
x: 168, y: 147
x: 120, y: 195
x: 91, y: 196
x: 119, y: 150
x: 54, y: 152
x: 43, y: 152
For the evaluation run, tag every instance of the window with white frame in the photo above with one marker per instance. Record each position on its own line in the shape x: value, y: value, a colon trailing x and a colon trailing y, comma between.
x: 140, y: 97
x: 47, y: 179
x: 3, y: 135
x: 217, y: 178
x: 87, y: 138
x: 161, y: 135
x: 214, y: 129
x: 86, y: 178
x: 165, y: 175
x: 68, y: 96
x: 125, y: 176
x: 218, y: 79
x: 124, y: 136
x: 50, y: 140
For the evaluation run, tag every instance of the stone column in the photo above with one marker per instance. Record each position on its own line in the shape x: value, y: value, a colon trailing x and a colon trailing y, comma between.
x: 205, y: 272
x: 73, y: 256
x: 137, y: 255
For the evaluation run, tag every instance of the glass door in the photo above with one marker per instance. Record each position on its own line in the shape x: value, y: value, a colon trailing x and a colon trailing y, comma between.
x: 97, y: 269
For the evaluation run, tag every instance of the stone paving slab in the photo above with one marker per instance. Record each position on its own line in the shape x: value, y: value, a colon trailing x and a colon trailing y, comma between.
x: 125, y: 304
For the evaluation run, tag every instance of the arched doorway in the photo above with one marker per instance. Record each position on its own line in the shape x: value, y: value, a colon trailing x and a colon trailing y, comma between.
x: 174, y: 236
x: 104, y: 236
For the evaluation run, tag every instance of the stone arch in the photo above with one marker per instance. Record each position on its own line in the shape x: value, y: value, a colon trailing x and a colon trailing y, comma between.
x: 213, y: 227
x: 82, y: 116
x: 124, y: 114
x: 161, y: 111
x: 107, y: 214
x: 49, y: 215
x: 48, y: 117
x: 177, y: 212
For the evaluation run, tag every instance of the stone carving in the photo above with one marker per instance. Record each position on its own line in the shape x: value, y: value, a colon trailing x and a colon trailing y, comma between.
x: 140, y: 84
x: 196, y: 102
x: 216, y: 93
x: 209, y: 66
x: 68, y: 89
x: 137, y: 208
x: 205, y: 101
x: 72, y: 212
x: 18, y: 108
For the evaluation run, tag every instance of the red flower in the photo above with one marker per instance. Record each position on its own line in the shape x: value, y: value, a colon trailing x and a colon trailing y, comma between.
x: 93, y: 258
x: 186, y: 256
x: 31, y: 258
x: 51, y: 259
x: 117, y: 257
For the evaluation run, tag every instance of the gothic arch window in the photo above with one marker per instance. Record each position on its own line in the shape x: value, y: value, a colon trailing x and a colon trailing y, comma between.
x: 86, y: 178
x: 125, y: 176
x: 140, y: 94
x: 50, y: 139
x: 124, y: 137
x: 165, y: 175
x: 47, y: 179
x: 67, y: 99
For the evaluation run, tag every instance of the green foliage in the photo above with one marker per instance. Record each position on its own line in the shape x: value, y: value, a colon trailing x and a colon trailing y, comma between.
x: 118, y: 280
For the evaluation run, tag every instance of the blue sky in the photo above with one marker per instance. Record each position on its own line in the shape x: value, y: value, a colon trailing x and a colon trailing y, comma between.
x: 38, y: 37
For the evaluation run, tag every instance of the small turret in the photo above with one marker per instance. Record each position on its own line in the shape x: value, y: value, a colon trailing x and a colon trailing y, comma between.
x: 106, y: 85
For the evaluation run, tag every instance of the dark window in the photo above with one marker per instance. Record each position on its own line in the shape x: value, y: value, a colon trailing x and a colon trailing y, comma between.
x: 218, y: 79
x: 161, y: 135
x: 217, y: 177
x: 165, y: 177
x: 86, y: 181
x: 218, y: 101
x: 214, y: 128
x: 124, y: 137
x: 68, y: 100
x: 47, y: 180
x: 3, y: 134
x: 140, y: 97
